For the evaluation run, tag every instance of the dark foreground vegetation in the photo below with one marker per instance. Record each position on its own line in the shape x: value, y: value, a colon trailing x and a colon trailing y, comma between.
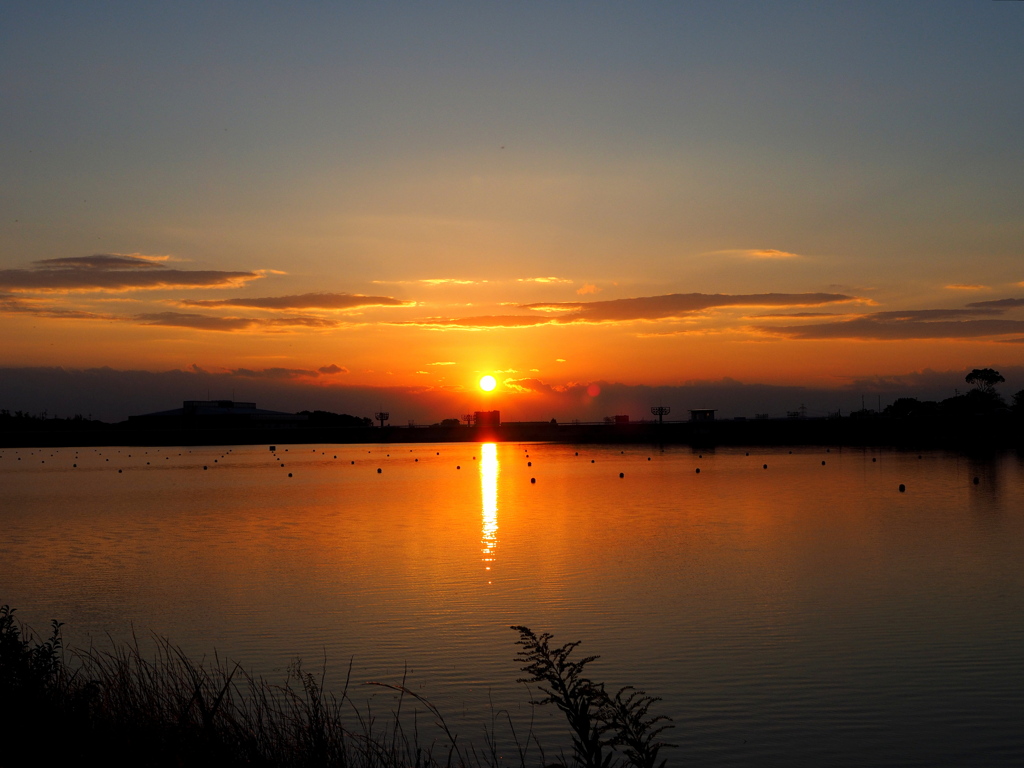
x: 123, y: 707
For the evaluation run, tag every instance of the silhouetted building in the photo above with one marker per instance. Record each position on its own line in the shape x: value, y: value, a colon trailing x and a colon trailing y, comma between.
x: 622, y: 419
x: 487, y: 418
x: 216, y: 413
x: 702, y: 414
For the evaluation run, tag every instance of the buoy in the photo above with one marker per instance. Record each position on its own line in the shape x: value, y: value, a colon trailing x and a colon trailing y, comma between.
x: 353, y: 462
x: 764, y: 466
x: 591, y: 461
x: 533, y: 479
x: 577, y: 453
x: 903, y: 488
x: 529, y: 463
x: 698, y: 470
x: 622, y: 474
x: 458, y: 467
x: 119, y: 471
x: 379, y: 470
x: 74, y: 465
x: 748, y: 453
x: 204, y: 466
x: 823, y: 463
x: 976, y: 481
x: 874, y: 459
x: 289, y: 474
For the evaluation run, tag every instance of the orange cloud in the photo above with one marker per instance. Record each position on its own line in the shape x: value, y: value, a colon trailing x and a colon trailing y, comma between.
x: 911, y: 324
x: 114, y: 272
x: 303, y: 301
x: 587, y: 288
x: 215, y: 323
x: 760, y: 253
x: 967, y: 287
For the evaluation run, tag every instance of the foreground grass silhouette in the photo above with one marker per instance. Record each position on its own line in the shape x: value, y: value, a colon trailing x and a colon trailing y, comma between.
x: 121, y: 706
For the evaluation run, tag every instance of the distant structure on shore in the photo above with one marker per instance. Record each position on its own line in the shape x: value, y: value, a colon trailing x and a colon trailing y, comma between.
x: 216, y: 413
x: 487, y: 418
x: 702, y: 414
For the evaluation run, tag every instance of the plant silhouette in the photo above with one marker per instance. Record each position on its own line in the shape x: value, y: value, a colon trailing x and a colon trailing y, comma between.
x: 599, y: 724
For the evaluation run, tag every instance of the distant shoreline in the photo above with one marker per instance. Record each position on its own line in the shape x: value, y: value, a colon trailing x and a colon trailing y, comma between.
x: 966, y: 433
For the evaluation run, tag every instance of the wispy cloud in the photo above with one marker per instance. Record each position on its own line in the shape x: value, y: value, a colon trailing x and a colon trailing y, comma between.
x: 274, y: 373
x: 444, y: 362
x: 431, y: 281
x: 543, y: 280
x: 586, y: 288
x: 214, y: 323
x: 115, y: 272
x: 681, y: 304
x: 911, y: 324
x: 967, y: 287
x: 332, y: 369
x: 759, y: 253
x: 676, y: 305
x: 333, y: 301
x: 999, y: 303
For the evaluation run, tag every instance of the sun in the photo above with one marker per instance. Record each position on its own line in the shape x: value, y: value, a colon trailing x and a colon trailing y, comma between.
x: 487, y: 383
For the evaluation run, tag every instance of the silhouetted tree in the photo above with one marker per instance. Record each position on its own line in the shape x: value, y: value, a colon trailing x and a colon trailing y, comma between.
x: 984, y: 379
x: 1018, y: 402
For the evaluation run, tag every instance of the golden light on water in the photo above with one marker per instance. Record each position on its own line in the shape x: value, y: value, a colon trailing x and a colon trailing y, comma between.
x: 488, y: 383
x: 489, y: 501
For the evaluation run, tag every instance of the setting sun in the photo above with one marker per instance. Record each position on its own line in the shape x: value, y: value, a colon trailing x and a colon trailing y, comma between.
x: 487, y: 383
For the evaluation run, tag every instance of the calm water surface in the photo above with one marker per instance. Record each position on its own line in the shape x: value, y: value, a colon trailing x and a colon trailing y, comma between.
x: 803, y: 613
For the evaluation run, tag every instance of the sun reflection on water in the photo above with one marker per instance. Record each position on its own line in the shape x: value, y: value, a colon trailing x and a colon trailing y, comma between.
x: 489, y: 501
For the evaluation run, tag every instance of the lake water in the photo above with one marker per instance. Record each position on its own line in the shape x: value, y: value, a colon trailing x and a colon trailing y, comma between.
x: 806, y: 613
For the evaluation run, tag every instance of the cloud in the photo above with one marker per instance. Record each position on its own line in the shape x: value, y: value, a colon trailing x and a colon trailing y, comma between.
x: 214, y: 323
x: 303, y: 301
x: 999, y: 303
x: 913, y: 324
x: 542, y: 280
x: 679, y: 304
x: 114, y: 272
x: 444, y: 362
x: 430, y: 281
x: 477, y: 323
x: 527, y: 385
x: 332, y: 369
x: 770, y: 253
x: 587, y: 288
x: 101, y: 261
x: 967, y: 287
x: 759, y: 253
x: 797, y: 315
x: 274, y: 373
x: 627, y: 310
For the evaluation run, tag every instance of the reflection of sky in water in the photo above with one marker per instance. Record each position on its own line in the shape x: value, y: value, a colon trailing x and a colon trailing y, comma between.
x: 489, y: 501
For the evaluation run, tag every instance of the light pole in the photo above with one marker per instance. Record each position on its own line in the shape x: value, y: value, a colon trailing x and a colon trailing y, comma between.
x: 382, y: 416
x: 661, y: 411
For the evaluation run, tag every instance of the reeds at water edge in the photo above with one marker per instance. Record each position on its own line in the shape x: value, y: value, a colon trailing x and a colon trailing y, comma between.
x: 121, y: 705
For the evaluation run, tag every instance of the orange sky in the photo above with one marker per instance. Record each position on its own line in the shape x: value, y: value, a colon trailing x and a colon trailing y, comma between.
x: 642, y: 198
